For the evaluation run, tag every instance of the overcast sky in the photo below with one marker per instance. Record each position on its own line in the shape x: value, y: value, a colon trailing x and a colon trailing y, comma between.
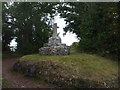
x: 67, y: 39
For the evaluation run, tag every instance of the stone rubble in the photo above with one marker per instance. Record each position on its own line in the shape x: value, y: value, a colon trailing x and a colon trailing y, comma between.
x: 54, y: 47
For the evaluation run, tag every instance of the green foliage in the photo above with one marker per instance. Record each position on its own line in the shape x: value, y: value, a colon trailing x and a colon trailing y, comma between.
x: 30, y: 23
x: 7, y: 31
x: 74, y: 48
x: 9, y: 54
x: 75, y: 45
x: 5, y: 83
x: 95, y: 23
x: 76, y: 70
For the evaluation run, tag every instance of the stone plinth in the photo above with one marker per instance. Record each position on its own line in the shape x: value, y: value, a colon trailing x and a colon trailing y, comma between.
x: 54, y: 50
x: 54, y: 47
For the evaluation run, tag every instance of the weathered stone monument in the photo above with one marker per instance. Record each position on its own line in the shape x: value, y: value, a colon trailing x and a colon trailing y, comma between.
x: 54, y: 45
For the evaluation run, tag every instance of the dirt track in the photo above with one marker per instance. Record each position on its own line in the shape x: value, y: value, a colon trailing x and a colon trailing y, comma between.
x: 17, y: 81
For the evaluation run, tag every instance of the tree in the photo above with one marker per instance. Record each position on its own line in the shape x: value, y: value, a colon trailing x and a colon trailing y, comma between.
x: 95, y: 23
x: 31, y: 24
x: 7, y: 32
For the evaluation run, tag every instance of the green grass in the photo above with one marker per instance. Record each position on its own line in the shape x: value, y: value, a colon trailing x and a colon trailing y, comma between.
x: 10, y: 55
x: 5, y: 83
x: 86, y: 66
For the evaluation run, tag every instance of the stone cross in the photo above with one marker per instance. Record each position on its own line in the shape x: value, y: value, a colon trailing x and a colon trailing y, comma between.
x: 54, y: 29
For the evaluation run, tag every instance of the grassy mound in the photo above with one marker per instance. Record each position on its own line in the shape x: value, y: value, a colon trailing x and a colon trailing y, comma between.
x: 75, y: 70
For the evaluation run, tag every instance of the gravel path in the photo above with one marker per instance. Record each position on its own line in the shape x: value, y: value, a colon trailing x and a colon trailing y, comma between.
x: 17, y: 81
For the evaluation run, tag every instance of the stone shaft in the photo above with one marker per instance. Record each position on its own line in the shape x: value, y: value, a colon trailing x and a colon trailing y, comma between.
x: 54, y: 30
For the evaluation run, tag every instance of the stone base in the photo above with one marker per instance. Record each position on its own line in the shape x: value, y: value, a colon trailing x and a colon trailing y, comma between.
x: 55, y: 50
x: 54, y: 47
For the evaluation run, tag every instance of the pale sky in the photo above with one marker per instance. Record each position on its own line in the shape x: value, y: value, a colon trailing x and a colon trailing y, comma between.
x: 67, y: 39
